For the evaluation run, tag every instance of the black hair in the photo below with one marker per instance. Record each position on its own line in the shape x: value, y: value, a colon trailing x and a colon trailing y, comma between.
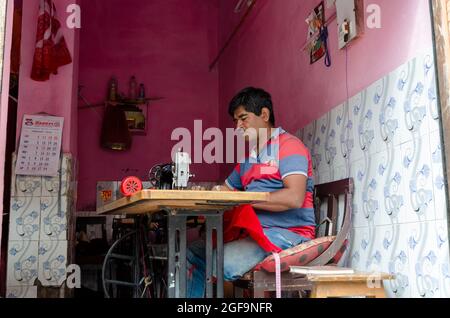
x: 253, y: 100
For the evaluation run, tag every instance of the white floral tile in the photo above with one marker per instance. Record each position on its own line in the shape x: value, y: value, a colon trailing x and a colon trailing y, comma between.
x: 443, y: 257
x: 54, y: 218
x: 390, y: 187
x: 369, y: 126
x: 24, y: 219
x: 52, y: 262
x: 308, y: 135
x: 430, y: 98
x: 358, y: 142
x: 339, y: 172
x: 424, y: 265
x: 27, y: 186
x: 387, y: 139
x: 358, y: 174
x: 419, y: 195
x: 359, y: 248
x: 22, y: 263
x: 437, y: 170
x: 393, y: 258
x: 322, y: 158
x: 21, y: 292
x: 322, y: 177
x: 50, y: 186
x: 373, y: 188
x: 339, y: 135
x: 393, y: 130
x: 335, y: 137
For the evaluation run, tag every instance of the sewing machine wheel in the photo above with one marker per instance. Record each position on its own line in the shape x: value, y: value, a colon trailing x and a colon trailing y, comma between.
x: 135, y: 265
x: 130, y: 185
x: 154, y: 175
x: 161, y: 176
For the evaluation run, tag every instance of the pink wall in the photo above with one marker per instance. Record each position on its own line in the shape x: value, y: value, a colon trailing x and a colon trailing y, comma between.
x: 55, y: 96
x: 168, y: 46
x: 267, y: 53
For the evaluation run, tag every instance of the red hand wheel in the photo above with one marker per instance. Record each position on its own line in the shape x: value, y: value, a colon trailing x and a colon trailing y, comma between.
x: 130, y: 185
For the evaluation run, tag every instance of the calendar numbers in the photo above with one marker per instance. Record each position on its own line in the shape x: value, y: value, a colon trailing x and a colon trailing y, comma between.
x: 40, y: 146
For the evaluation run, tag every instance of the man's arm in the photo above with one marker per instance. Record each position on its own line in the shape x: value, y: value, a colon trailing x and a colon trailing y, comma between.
x: 290, y: 197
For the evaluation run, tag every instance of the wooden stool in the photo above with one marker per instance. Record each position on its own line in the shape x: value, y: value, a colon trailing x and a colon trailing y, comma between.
x: 369, y: 285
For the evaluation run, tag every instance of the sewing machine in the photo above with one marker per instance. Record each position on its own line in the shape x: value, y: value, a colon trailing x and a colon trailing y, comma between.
x: 172, y: 176
x: 180, y: 170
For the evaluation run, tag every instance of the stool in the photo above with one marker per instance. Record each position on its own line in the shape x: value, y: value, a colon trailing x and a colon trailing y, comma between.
x: 369, y: 285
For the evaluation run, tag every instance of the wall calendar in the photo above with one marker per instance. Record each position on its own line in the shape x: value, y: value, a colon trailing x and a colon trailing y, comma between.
x: 40, y: 146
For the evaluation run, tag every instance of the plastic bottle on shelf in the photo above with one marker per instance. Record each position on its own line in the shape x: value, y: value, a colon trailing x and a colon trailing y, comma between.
x: 133, y: 88
x: 113, y: 89
x: 141, y: 92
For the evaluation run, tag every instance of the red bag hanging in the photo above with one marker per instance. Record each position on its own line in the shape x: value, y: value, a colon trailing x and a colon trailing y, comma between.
x: 51, y: 48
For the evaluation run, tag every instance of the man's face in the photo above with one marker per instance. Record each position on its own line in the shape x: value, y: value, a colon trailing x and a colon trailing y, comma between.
x: 249, y: 123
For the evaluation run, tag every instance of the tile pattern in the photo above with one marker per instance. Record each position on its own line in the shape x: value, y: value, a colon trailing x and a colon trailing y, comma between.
x: 42, y: 230
x: 387, y: 139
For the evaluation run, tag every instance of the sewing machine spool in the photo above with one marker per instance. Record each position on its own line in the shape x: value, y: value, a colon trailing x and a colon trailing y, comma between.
x: 130, y: 185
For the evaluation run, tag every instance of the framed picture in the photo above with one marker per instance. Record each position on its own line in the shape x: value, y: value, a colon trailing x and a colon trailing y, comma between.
x: 315, y: 21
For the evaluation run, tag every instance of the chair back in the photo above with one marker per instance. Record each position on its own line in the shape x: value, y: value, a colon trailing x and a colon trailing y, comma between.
x: 330, y: 193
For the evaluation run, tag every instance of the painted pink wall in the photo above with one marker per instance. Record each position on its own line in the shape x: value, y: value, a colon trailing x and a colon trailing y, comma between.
x: 168, y: 46
x: 55, y: 96
x: 267, y: 52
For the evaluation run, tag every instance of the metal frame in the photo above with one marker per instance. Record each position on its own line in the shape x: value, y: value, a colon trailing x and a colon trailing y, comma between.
x: 440, y: 18
x: 177, y: 263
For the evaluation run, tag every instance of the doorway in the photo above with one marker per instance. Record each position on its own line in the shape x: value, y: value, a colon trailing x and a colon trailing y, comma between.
x: 10, y: 48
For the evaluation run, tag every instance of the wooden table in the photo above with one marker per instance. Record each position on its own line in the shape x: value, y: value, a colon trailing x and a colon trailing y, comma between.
x: 369, y: 285
x: 179, y: 205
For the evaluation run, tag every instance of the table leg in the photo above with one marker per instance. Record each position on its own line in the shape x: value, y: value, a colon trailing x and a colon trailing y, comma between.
x: 177, y: 263
x: 176, y: 274
x: 214, y: 222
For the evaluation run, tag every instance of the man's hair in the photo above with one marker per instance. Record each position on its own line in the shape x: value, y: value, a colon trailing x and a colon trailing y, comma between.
x: 253, y: 100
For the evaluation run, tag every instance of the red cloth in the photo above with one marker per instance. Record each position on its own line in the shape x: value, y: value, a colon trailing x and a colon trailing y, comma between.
x: 241, y: 222
x: 51, y: 48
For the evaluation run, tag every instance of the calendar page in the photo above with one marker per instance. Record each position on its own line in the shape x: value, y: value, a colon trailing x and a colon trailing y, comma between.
x: 40, y: 146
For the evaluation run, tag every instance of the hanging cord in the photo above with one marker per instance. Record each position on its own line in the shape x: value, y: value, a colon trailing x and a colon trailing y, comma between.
x: 276, y: 256
x: 324, y: 39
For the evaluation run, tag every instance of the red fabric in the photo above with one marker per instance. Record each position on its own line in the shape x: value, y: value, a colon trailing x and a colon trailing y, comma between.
x: 241, y: 222
x: 51, y: 48
x: 308, y: 232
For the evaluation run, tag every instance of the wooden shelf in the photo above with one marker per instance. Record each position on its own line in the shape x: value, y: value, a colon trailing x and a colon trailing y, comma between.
x: 123, y: 102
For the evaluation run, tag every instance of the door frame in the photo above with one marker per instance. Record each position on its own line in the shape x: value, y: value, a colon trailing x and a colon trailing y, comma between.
x: 440, y: 20
x: 6, y: 24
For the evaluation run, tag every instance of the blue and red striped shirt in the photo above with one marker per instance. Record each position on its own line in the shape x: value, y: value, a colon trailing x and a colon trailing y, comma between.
x: 282, y: 156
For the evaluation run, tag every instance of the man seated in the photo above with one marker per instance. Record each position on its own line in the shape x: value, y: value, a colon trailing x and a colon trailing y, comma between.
x: 280, y: 164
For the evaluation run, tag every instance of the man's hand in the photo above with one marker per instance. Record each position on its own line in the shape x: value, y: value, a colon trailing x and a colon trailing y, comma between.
x: 290, y: 197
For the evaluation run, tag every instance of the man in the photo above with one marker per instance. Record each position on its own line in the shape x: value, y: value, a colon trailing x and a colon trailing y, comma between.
x: 279, y: 164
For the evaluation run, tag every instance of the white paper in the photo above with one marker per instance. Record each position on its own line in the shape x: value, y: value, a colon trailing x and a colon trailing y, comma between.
x: 40, y: 146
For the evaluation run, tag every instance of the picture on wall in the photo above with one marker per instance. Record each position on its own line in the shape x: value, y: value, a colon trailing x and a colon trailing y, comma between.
x: 315, y: 21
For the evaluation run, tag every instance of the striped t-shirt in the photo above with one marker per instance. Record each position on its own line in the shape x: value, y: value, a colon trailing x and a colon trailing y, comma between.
x: 282, y: 156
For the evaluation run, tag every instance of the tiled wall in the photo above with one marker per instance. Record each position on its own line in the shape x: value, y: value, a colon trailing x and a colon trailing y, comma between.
x: 41, y: 231
x: 387, y: 139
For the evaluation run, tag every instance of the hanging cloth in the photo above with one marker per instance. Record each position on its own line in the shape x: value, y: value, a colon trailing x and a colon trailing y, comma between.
x: 241, y: 222
x: 51, y: 48
x: 324, y: 38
